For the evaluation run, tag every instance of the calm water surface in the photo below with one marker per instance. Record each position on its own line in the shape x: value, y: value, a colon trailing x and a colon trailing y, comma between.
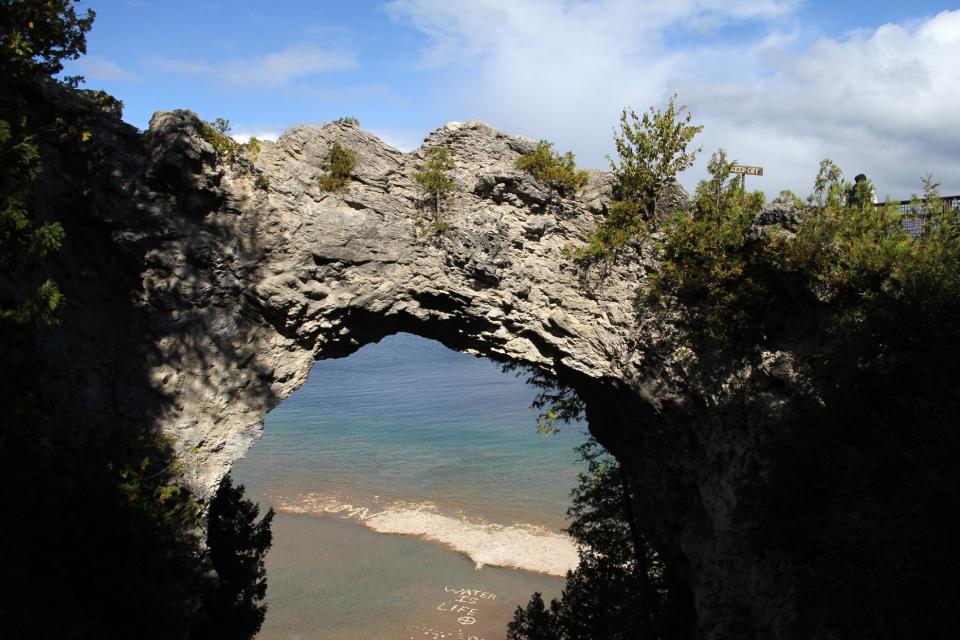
x: 409, y: 437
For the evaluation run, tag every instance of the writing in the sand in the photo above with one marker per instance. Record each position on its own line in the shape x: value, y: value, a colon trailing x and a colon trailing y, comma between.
x: 361, y: 513
x: 464, y: 603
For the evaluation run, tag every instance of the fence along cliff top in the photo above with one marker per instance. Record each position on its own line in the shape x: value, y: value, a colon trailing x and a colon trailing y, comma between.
x: 914, y: 216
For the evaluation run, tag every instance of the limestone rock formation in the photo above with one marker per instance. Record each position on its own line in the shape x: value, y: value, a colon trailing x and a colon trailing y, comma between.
x: 201, y: 291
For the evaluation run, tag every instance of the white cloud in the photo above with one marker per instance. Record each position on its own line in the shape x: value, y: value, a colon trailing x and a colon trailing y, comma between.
x: 542, y: 69
x: 884, y: 103
x: 405, y: 140
x: 277, y: 69
x: 244, y: 136
x: 881, y: 101
x: 268, y: 71
x: 97, y: 68
x: 569, y: 28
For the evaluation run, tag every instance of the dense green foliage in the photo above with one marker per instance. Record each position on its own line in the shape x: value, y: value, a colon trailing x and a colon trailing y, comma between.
x: 853, y: 495
x: 618, y: 589
x: 437, y: 184
x: 709, y: 260
x: 552, y: 168
x: 101, y: 539
x: 217, y: 133
x: 860, y: 489
x: 24, y: 240
x: 338, y: 166
x: 37, y: 36
x: 855, y: 488
x: 238, y: 544
x: 823, y: 276
x: 104, y: 543
x: 651, y: 151
x: 35, y: 39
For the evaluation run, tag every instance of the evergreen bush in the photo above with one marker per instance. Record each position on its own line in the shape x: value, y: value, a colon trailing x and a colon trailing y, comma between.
x: 437, y: 184
x: 552, y: 168
x: 338, y: 165
x: 651, y: 151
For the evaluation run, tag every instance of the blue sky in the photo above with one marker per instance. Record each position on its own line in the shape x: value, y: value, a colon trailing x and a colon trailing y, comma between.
x: 778, y: 83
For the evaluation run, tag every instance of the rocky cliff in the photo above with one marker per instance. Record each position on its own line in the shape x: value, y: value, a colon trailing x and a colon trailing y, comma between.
x: 201, y: 291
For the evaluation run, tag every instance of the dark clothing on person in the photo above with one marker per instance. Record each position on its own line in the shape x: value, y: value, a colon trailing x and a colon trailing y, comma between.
x: 860, y: 193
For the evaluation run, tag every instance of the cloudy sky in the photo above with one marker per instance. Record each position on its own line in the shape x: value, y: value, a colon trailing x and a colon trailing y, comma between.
x: 778, y: 83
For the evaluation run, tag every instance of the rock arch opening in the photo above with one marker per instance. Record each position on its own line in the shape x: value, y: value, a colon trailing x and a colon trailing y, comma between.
x: 408, y: 437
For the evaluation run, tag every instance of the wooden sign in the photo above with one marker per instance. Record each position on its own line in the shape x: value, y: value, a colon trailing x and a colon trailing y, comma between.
x: 745, y: 170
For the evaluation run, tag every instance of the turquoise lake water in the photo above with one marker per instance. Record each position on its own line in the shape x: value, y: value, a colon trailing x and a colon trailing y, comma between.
x: 402, y: 475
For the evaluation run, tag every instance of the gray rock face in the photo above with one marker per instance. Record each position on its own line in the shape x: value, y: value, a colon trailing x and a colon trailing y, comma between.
x: 302, y: 274
x: 245, y: 276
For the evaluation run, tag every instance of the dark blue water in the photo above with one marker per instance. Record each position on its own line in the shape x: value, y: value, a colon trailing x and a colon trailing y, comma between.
x: 445, y: 442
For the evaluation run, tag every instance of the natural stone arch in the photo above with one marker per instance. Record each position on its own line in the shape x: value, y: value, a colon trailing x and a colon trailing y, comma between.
x: 240, y: 284
x: 297, y: 274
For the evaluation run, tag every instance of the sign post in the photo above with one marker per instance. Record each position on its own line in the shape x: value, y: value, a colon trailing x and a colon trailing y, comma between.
x: 744, y: 171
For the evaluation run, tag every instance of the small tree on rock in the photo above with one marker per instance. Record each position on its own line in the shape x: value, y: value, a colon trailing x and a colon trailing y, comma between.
x: 558, y: 171
x: 651, y: 151
x: 437, y: 183
x: 338, y: 166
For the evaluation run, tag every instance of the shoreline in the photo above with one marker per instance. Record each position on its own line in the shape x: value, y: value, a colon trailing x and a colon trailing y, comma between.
x: 517, y: 546
x: 332, y: 579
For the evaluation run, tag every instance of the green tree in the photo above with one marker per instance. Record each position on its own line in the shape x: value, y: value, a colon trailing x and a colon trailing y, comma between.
x: 238, y: 545
x: 338, y: 166
x: 552, y: 168
x: 651, y: 151
x: 24, y: 241
x: 437, y: 184
x: 930, y: 193
x: 828, y: 187
x: 788, y: 197
x: 722, y: 191
x: 536, y: 621
x: 709, y: 260
x: 37, y: 36
x: 618, y: 589
x: 35, y: 39
x: 217, y: 133
x: 928, y: 206
x: 852, y: 487
x: 103, y: 542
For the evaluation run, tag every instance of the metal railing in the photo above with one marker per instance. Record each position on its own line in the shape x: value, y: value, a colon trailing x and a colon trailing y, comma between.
x: 914, y: 215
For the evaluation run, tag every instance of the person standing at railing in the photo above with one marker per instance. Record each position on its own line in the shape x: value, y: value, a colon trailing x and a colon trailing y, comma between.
x: 861, y: 192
